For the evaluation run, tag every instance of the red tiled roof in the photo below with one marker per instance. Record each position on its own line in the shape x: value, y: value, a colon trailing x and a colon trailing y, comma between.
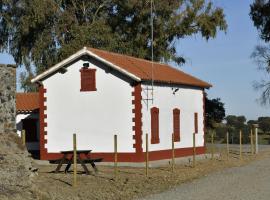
x: 27, y: 102
x: 143, y: 69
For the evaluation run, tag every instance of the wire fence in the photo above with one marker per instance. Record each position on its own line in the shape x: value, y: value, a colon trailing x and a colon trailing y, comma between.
x: 236, y: 142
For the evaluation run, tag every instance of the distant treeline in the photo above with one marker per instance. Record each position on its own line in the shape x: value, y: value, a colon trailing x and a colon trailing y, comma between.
x: 233, y: 124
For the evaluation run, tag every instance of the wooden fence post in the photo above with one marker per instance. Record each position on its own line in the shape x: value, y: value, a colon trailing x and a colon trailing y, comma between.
x: 256, y: 142
x: 194, y: 150
x: 146, y: 156
x: 115, y: 156
x: 173, y: 161
x: 23, y: 137
x: 212, y: 145
x: 240, y: 144
x: 228, y: 149
x: 251, y: 141
x: 74, y: 160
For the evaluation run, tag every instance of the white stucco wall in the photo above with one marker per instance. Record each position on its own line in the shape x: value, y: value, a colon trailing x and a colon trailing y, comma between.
x: 94, y: 116
x: 189, y: 101
x: 19, y: 118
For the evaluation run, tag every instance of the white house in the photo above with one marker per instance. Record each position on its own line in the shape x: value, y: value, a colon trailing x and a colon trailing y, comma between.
x: 97, y: 94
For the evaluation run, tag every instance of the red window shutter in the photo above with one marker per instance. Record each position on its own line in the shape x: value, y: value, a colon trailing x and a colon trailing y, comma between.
x: 196, y: 122
x: 176, y: 124
x: 154, y: 125
x: 88, y: 79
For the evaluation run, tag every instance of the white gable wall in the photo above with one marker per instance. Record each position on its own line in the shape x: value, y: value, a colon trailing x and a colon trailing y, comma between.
x: 94, y: 116
x: 97, y: 115
x: 189, y: 101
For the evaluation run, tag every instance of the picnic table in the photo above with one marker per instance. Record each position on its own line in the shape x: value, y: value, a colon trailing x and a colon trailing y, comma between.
x: 83, y: 157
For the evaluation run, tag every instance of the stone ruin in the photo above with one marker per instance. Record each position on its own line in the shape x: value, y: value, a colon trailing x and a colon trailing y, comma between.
x: 7, y: 98
x: 16, y: 164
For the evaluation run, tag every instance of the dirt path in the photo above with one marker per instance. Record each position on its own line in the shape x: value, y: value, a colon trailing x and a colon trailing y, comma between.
x: 239, y: 183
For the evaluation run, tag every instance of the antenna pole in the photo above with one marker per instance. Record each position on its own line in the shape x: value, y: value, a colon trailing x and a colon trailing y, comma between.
x: 152, y: 49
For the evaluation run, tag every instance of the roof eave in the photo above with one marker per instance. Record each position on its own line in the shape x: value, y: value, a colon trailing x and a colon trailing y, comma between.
x: 75, y: 56
x: 27, y: 111
x: 204, y: 86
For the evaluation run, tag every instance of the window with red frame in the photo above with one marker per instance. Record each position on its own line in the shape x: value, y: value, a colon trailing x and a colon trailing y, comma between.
x: 154, y: 125
x: 196, y: 122
x: 176, y: 124
x: 88, y: 79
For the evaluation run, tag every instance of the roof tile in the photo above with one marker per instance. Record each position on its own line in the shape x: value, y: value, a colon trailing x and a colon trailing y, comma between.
x: 27, y: 102
x: 143, y: 69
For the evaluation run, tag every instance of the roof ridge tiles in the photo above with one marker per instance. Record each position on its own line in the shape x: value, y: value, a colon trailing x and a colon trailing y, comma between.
x: 125, y: 55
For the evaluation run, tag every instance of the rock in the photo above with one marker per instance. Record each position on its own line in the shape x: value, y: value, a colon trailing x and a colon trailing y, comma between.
x: 33, y: 169
x: 16, y: 172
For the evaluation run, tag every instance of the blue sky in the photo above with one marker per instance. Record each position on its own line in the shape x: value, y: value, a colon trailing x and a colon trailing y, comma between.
x: 224, y: 61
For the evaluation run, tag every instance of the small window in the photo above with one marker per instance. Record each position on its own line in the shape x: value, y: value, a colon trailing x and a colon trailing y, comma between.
x: 176, y: 124
x: 154, y: 125
x: 88, y: 79
x: 196, y: 122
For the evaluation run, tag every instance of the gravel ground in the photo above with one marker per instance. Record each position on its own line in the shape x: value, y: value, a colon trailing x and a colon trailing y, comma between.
x: 239, y: 183
x: 131, y: 182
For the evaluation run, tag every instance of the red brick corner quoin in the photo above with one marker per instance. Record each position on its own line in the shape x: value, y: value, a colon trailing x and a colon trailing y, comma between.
x: 137, y: 119
x: 204, y: 117
x: 42, y: 123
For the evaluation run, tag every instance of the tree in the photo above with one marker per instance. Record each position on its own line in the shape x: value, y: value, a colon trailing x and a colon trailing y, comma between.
x: 215, y: 112
x: 234, y: 125
x: 235, y: 122
x: 39, y: 34
x: 260, y: 14
x: 264, y: 124
x: 250, y: 123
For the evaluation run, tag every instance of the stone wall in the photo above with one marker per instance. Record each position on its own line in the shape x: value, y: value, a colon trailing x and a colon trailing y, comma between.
x: 7, y: 98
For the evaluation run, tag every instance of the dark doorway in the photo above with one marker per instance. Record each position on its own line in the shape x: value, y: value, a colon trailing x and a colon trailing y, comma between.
x: 31, y: 135
x: 30, y: 127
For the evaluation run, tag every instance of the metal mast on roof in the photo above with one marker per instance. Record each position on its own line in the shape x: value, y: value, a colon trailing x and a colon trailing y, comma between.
x: 152, y: 49
x: 148, y: 89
